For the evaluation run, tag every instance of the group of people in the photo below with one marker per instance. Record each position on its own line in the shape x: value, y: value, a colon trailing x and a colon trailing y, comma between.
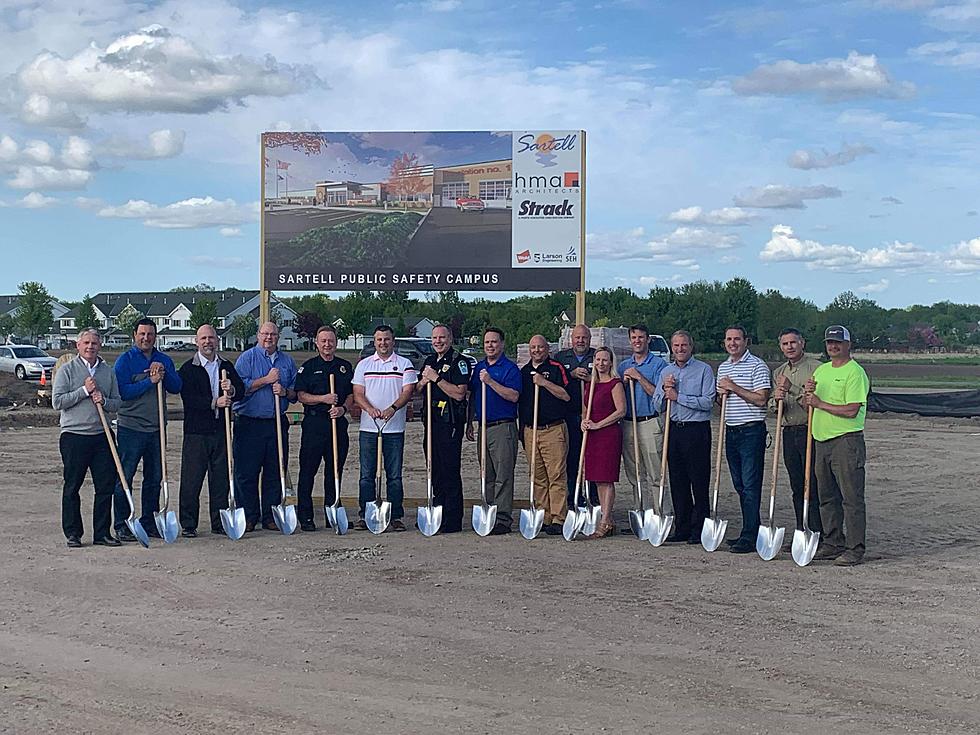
x: 578, y: 413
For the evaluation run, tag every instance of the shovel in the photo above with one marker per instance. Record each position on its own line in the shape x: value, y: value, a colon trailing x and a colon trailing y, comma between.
x: 532, y: 519
x: 132, y: 523
x: 662, y: 523
x: 713, y: 530
x: 484, y: 515
x: 165, y: 518
x: 641, y: 521
x: 284, y: 515
x: 232, y: 518
x: 429, y: 518
x: 577, y: 517
x: 377, y: 513
x: 335, y: 513
x: 805, y: 541
x: 769, y: 540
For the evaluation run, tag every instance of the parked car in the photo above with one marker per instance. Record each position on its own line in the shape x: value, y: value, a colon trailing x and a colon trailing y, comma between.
x: 470, y: 204
x: 180, y: 347
x: 25, y: 361
x: 415, y: 349
x: 659, y: 347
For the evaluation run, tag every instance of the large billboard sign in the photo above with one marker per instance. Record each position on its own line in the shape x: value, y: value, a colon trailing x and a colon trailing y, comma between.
x: 466, y: 211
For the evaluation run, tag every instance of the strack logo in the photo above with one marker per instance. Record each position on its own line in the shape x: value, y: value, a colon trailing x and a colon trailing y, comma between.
x: 533, y: 209
x: 524, y: 257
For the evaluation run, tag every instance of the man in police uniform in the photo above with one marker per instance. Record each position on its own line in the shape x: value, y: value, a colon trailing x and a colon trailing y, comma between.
x: 320, y: 406
x: 449, y: 373
x: 577, y: 362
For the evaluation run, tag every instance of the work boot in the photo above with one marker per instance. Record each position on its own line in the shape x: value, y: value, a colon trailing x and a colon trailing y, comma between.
x: 850, y: 558
x: 827, y: 553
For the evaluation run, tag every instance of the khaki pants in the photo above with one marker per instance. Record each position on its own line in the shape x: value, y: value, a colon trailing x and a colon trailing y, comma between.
x: 840, y: 475
x: 650, y: 436
x: 501, y: 457
x: 550, y: 486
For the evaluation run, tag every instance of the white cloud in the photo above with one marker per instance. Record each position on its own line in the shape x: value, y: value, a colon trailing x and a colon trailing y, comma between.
x: 153, y: 70
x: 858, y: 75
x: 964, y: 257
x: 38, y: 151
x: 36, y: 200
x: 187, y: 214
x: 443, y: 6
x: 77, y: 153
x: 950, y: 53
x: 669, y: 248
x: 807, y: 160
x: 778, y: 196
x: 212, y: 261
x: 89, y: 203
x: 49, y: 178
x: 230, y: 231
x: 39, y: 109
x: 158, y: 144
x: 723, y: 216
x: 957, y: 16
x: 785, y: 246
x: 874, y: 287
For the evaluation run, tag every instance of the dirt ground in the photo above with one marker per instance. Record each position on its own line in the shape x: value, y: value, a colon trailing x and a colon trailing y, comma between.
x: 404, y: 634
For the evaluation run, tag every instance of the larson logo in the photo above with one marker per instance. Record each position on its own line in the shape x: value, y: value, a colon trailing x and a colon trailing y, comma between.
x: 524, y: 257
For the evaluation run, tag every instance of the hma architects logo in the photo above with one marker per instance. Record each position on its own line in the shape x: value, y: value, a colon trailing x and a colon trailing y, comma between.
x: 545, y: 145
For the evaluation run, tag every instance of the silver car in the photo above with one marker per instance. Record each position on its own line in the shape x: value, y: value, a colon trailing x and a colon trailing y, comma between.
x: 25, y: 361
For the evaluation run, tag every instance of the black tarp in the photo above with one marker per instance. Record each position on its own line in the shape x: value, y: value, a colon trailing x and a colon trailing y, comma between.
x: 961, y: 403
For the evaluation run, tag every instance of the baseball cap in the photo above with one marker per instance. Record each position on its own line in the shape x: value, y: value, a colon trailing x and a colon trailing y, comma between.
x: 836, y: 333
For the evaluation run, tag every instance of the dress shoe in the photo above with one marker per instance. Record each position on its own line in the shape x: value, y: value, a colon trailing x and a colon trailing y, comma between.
x: 397, y: 525
x: 499, y: 530
x: 249, y: 526
x: 125, y: 535
x: 732, y: 541
x: 307, y: 526
x: 552, y: 529
x: 152, y: 531
x: 270, y: 526
x: 361, y: 525
x: 189, y: 533
x: 74, y: 542
x: 676, y: 538
x: 627, y: 530
x: 742, y: 547
x: 849, y: 558
x: 693, y: 541
x: 107, y: 541
x: 827, y: 553
x: 217, y: 529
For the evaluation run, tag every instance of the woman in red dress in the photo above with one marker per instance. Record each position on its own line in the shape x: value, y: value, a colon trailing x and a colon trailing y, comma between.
x: 605, y: 436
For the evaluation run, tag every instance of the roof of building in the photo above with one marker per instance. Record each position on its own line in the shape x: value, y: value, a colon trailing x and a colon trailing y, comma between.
x: 162, y: 303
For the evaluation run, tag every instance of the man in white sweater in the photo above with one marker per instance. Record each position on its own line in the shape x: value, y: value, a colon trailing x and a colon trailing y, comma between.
x: 79, y: 385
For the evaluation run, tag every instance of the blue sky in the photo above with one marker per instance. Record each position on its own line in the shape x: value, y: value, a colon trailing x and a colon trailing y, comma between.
x: 811, y: 147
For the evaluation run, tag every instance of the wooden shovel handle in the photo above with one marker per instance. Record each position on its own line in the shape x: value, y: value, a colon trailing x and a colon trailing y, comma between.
x: 112, y: 446
x: 483, y: 432
x: 279, y: 448
x: 333, y: 436
x: 585, y: 434
x: 163, y: 430
x: 808, y: 463
x: 775, y: 447
x: 428, y: 432
x: 663, y: 453
x: 227, y: 412
x: 721, y: 442
x: 534, y: 439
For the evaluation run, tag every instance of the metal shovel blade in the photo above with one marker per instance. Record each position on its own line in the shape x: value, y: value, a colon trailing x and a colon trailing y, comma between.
x: 285, y: 518
x: 590, y: 519
x: 429, y: 519
x: 167, y: 525
x: 659, y: 529
x: 769, y: 541
x: 484, y: 518
x: 805, y: 546
x: 640, y: 523
x: 713, y: 533
x: 572, y: 525
x: 233, y: 521
x: 377, y: 516
x: 337, y: 518
x: 531, y: 522
x: 136, y: 528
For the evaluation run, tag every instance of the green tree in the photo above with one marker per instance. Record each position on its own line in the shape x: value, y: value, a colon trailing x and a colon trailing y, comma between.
x: 741, y: 302
x: 126, y: 321
x: 33, y: 316
x: 86, y: 315
x: 205, y: 312
x: 197, y: 288
x: 244, y: 328
x: 6, y: 325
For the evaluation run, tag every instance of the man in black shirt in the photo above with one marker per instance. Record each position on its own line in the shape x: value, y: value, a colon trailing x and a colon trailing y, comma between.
x: 577, y: 362
x: 550, y: 486
x: 320, y: 406
x: 204, y: 452
x: 449, y: 373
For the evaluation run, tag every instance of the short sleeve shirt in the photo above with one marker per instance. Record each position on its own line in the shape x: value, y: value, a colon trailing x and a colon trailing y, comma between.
x: 313, y: 377
x: 840, y: 386
x: 650, y: 368
x: 750, y: 373
x: 570, y: 361
x: 454, y: 369
x: 383, y: 380
x: 550, y: 409
x: 505, y: 372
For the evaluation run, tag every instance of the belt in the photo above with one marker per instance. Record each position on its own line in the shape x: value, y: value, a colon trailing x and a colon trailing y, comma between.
x: 500, y: 421
x: 747, y: 425
x: 641, y: 419
x: 560, y: 422
x: 682, y: 424
x: 795, y: 427
x: 240, y: 417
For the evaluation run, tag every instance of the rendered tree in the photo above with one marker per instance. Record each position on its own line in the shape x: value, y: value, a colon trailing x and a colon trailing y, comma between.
x: 404, y: 179
x: 33, y: 315
x: 205, y: 312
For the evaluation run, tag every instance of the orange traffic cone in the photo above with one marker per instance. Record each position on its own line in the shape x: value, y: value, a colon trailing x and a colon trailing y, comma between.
x: 43, y: 381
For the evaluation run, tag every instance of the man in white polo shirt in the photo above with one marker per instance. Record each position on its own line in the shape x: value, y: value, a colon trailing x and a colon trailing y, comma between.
x: 383, y: 386
x: 745, y: 380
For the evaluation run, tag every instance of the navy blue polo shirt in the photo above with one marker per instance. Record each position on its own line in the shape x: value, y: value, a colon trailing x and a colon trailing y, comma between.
x: 505, y: 372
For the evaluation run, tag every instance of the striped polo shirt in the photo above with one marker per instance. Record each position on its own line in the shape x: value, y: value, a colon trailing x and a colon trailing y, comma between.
x: 752, y: 373
x: 383, y: 381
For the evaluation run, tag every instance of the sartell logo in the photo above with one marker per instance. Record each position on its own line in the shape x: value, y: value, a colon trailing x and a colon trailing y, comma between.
x: 524, y: 257
x: 545, y: 145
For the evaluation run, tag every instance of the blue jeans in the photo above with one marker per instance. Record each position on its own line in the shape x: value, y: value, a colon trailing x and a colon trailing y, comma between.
x: 745, y: 449
x: 133, y: 447
x: 392, y: 446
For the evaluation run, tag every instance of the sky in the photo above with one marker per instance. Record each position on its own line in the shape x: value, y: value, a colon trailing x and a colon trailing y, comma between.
x: 811, y: 147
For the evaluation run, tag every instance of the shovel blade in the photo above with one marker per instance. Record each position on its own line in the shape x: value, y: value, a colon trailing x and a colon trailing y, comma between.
x: 285, y: 518
x: 337, y: 517
x: 713, y: 533
x: 590, y: 519
x: 136, y: 528
x: 572, y: 525
x: 805, y: 546
x: 484, y: 518
x: 167, y: 525
x: 531, y: 522
x: 429, y: 520
x: 640, y: 521
x: 659, y: 528
x: 377, y: 516
x: 769, y: 541
x: 233, y: 521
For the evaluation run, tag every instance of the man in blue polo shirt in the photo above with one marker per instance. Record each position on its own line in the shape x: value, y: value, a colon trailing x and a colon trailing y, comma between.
x: 269, y: 376
x: 503, y: 380
x: 641, y: 373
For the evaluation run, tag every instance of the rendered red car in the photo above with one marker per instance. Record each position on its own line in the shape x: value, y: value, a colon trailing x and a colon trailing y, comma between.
x: 470, y: 204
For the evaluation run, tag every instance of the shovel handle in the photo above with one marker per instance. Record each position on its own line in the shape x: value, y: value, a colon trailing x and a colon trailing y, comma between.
x: 534, y: 439
x: 279, y: 449
x: 483, y: 440
x: 428, y: 441
x: 663, y: 459
x: 231, y: 469
x: 776, y: 443
x: 585, y: 434
x: 808, y: 463
x: 163, y: 434
x: 115, y: 458
x: 333, y: 437
x: 636, y: 440
x: 721, y: 445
